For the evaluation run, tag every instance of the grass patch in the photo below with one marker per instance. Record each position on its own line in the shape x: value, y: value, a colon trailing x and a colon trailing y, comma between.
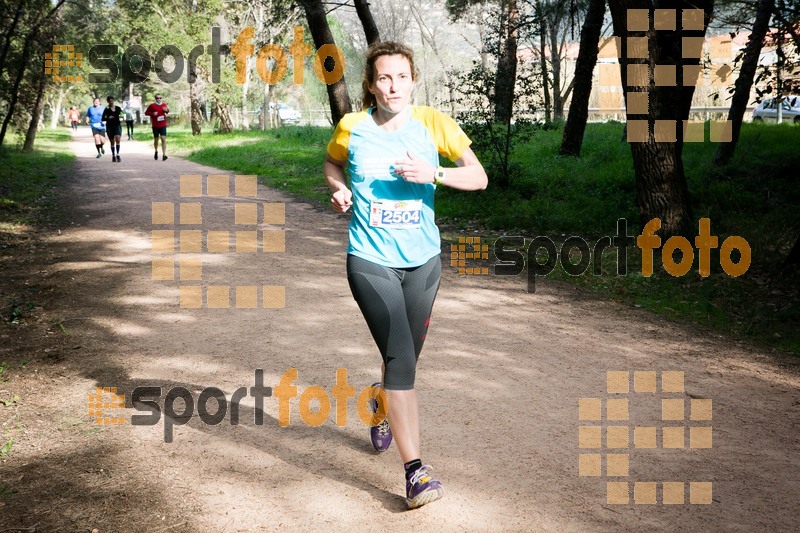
x: 28, y: 182
x: 287, y: 158
x: 755, y: 196
x: 5, y: 449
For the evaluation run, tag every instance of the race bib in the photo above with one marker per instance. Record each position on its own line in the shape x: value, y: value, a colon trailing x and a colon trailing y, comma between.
x: 395, y: 214
x: 160, y: 119
x: 98, y: 125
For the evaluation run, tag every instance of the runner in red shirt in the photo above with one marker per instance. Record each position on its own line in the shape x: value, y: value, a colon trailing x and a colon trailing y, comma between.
x: 157, y: 112
x: 74, y: 117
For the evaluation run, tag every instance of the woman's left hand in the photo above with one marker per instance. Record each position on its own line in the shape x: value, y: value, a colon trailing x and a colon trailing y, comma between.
x: 414, y: 169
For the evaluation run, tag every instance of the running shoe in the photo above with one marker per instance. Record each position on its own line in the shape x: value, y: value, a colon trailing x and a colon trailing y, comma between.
x: 119, y: 160
x: 422, y: 488
x: 380, y: 435
x: 155, y: 156
x: 164, y: 158
x: 102, y: 149
x: 99, y: 156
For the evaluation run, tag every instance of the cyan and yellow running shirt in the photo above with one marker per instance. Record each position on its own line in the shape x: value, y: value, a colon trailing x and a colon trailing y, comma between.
x: 393, y: 222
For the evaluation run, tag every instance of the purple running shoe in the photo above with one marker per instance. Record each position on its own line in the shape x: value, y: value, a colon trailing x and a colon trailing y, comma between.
x: 422, y: 488
x: 380, y: 435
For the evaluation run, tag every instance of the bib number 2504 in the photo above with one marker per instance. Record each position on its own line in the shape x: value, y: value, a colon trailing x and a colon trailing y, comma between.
x: 400, y: 214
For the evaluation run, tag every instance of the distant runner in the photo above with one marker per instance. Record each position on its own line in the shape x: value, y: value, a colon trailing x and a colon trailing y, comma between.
x: 94, y: 117
x: 157, y: 111
x: 112, y: 118
x: 74, y: 117
x: 130, y: 118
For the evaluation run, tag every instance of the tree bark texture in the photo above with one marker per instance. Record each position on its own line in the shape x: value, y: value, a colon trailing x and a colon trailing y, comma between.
x: 195, y: 110
x: 543, y: 60
x: 794, y: 254
x: 321, y: 33
x: 555, y: 67
x: 36, y: 113
x: 506, y: 75
x: 12, y: 103
x: 9, y: 35
x: 575, y: 127
x: 661, y: 188
x: 744, y: 82
x: 368, y: 23
x: 222, y: 112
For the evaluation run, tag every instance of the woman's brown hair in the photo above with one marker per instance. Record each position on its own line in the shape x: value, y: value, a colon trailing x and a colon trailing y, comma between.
x: 376, y: 50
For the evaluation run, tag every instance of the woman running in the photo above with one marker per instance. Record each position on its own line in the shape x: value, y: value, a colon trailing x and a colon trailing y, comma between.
x: 392, y: 150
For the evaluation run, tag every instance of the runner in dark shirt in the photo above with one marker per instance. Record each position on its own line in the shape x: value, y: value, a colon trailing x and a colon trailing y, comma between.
x: 113, y: 120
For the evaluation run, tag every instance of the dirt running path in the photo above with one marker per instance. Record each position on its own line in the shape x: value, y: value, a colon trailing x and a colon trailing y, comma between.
x: 500, y: 381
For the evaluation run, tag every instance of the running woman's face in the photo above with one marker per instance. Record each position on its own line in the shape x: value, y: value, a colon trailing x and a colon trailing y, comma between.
x: 393, y: 83
x: 96, y: 102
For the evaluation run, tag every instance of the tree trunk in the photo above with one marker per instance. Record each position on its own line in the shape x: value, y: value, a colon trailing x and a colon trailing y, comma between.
x: 543, y: 61
x: 57, y: 108
x: 266, y: 118
x: 584, y: 68
x: 506, y: 76
x: 9, y: 35
x: 36, y: 113
x: 245, y: 88
x: 430, y: 39
x: 365, y: 16
x: 321, y: 32
x: 661, y: 189
x: 479, y: 22
x: 223, y: 114
x: 195, y: 110
x: 555, y: 67
x: 794, y: 254
x: 745, y: 80
x: 12, y: 104
x: 36, y: 26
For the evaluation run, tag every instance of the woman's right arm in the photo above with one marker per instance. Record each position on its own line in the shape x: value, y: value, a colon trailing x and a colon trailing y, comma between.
x: 342, y: 197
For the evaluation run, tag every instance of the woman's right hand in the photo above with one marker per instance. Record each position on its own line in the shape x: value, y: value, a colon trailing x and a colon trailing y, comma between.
x: 341, y: 200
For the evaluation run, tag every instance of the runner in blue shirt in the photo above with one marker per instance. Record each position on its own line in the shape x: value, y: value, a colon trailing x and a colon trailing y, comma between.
x: 392, y: 151
x: 94, y: 117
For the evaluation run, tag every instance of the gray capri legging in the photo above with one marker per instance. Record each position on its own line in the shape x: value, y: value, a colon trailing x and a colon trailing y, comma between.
x: 397, y: 304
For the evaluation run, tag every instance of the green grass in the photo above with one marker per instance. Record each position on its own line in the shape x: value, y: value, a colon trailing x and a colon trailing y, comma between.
x: 288, y: 158
x: 28, y: 191
x: 755, y: 196
x: 28, y: 181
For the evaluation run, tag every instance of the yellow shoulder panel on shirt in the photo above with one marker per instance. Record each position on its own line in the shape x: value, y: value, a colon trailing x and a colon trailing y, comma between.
x: 450, y: 140
x: 337, y: 147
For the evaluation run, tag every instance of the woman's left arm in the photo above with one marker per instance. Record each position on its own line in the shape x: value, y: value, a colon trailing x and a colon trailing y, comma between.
x: 468, y: 175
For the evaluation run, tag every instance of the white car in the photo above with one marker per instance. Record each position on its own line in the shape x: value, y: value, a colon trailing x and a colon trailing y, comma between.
x: 287, y: 114
x: 767, y: 110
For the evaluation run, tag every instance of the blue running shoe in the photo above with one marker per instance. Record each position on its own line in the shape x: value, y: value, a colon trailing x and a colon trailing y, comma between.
x: 380, y: 435
x: 422, y: 488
